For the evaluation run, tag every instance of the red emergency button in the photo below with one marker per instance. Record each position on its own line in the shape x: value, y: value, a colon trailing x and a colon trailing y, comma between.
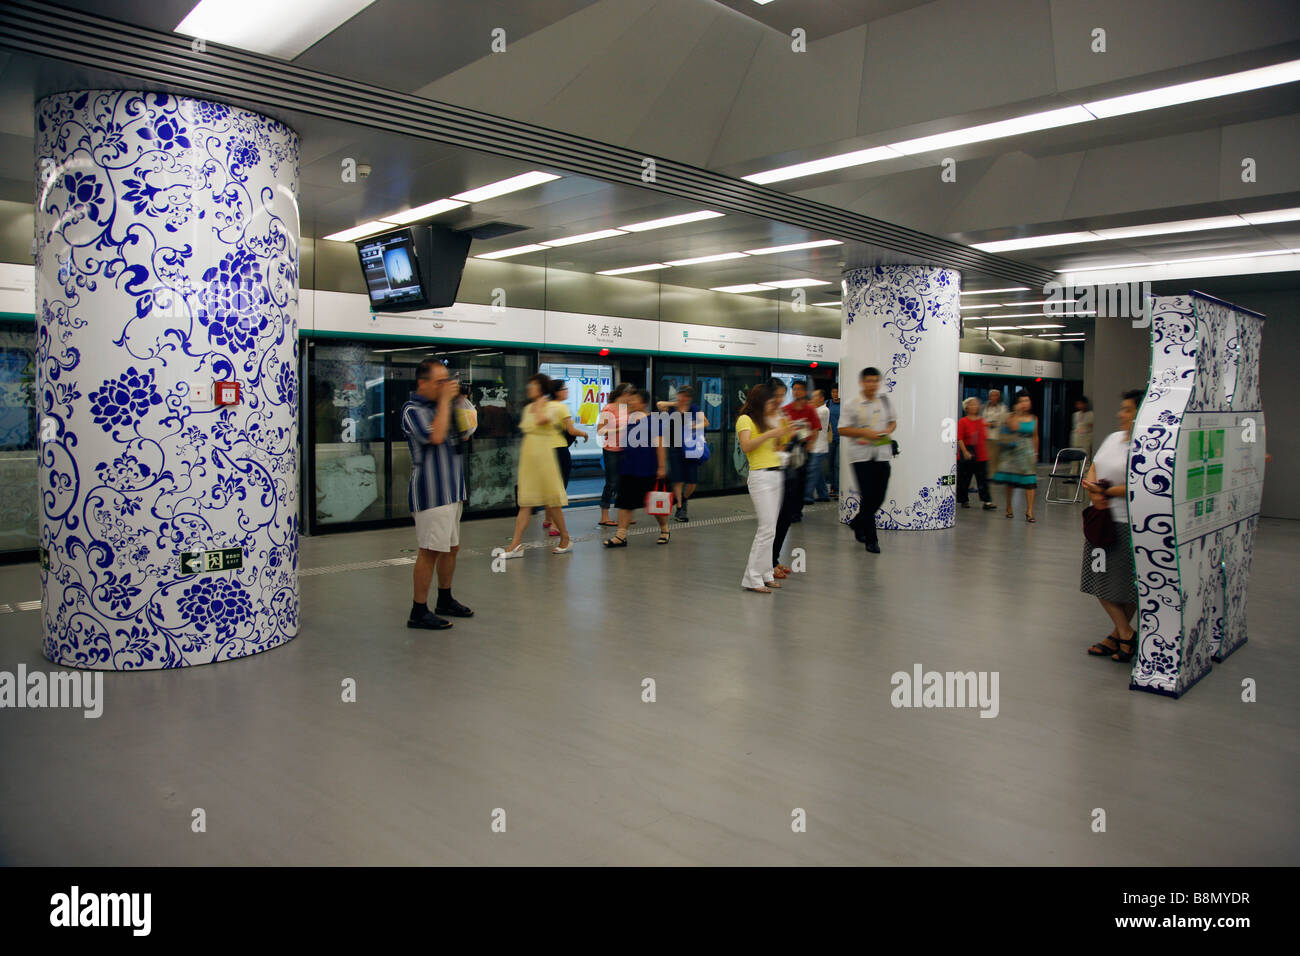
x: 225, y: 393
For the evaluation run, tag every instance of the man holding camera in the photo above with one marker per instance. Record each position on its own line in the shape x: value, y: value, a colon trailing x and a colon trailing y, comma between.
x: 436, y: 431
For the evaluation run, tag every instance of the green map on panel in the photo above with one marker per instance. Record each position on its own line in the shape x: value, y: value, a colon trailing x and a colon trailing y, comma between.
x: 1195, y: 482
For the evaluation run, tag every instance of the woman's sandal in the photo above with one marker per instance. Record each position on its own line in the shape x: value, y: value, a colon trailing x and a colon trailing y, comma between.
x: 607, y: 524
x: 1031, y: 519
x: 762, y: 590
x: 663, y: 537
x: 1011, y: 514
x: 1101, y: 650
x: 615, y: 542
x: 1123, y: 656
x: 771, y: 584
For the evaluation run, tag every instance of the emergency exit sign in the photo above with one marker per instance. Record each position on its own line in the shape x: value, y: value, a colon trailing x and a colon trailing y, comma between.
x: 206, y: 562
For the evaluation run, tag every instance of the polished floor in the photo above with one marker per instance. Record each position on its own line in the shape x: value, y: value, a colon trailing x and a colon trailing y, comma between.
x: 764, y: 704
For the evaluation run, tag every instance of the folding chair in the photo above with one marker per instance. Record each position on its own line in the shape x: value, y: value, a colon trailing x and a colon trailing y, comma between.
x: 1067, y: 457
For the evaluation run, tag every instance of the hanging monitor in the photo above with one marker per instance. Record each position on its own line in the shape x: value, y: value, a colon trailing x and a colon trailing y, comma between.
x: 415, y: 268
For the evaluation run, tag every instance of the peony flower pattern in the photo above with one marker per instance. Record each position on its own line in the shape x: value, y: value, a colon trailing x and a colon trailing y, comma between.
x: 233, y: 306
x: 85, y: 194
x: 122, y: 403
x: 221, y: 604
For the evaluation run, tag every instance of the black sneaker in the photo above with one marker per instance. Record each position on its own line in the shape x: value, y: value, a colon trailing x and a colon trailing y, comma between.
x: 453, y: 608
x: 873, y: 547
x: 428, y: 621
x: 681, y: 515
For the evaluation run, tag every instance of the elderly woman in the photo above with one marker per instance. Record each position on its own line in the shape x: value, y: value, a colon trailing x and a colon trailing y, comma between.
x: 1108, y: 573
x: 972, y: 455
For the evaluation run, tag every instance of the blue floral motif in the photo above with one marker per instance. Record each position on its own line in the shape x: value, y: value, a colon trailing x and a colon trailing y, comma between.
x: 166, y: 132
x: 124, y: 402
x: 85, y: 194
x: 218, y: 603
x: 233, y: 305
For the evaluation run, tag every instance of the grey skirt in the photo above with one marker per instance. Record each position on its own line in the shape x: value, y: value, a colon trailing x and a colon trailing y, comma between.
x: 1118, y: 582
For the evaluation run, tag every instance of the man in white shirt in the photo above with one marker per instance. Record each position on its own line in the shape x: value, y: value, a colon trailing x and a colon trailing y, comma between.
x: 867, y: 425
x: 814, y: 488
x: 995, y: 416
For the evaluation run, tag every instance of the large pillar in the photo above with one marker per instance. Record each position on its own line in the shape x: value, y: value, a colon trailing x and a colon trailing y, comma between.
x: 906, y: 321
x: 167, y: 259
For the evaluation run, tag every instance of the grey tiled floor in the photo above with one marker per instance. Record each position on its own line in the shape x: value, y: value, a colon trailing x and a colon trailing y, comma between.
x: 764, y: 704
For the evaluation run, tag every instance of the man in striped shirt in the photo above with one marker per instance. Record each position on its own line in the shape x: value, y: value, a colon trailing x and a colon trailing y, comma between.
x: 437, y: 492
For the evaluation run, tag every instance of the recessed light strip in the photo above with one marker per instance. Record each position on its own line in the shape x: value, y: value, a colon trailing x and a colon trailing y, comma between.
x: 1194, y: 91
x: 1148, y: 229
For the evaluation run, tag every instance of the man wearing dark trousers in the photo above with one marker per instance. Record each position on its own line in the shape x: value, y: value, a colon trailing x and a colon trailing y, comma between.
x: 807, y: 424
x: 866, y: 424
x: 437, y: 492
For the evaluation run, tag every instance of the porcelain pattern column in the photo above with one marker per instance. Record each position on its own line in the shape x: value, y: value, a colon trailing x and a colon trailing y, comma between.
x: 167, y: 257
x: 906, y: 321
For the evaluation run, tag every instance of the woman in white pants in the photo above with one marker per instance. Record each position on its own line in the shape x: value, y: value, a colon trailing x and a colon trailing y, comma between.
x: 766, y: 480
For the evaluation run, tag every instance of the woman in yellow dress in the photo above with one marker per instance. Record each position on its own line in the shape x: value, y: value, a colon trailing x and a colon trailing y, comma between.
x: 544, y: 424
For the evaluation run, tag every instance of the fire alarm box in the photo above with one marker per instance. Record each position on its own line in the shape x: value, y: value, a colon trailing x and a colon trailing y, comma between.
x: 225, y: 393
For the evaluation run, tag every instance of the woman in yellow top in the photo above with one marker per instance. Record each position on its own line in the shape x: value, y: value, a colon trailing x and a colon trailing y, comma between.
x: 760, y: 444
x: 539, y: 483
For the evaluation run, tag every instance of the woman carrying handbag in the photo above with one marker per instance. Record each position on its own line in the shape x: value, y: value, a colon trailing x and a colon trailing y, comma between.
x: 644, y: 463
x: 1108, y: 573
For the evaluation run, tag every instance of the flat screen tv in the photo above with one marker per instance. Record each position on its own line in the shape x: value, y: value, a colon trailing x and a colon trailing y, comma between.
x: 415, y: 268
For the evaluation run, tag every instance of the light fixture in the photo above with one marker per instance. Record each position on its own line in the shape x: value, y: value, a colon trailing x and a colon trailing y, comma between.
x: 997, y: 328
x: 1036, y: 315
x: 1178, y: 262
x: 1014, y: 288
x: 1048, y: 326
x: 671, y: 221
x: 1206, y: 89
x: 628, y: 270
x: 794, y: 283
x: 426, y: 211
x: 1012, y: 305
x: 1017, y: 125
x: 1036, y: 242
x: 361, y: 231
x: 1275, y: 215
x: 511, y: 185
x: 585, y: 237
x: 283, y: 29
x: 516, y: 251
x: 720, y: 257
x: 772, y: 250
x: 828, y: 305
x: 748, y: 287
x: 1049, y: 119
x: 858, y: 157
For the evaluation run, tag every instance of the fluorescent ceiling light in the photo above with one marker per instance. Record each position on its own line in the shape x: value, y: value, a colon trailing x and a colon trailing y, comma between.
x: 671, y: 221
x: 762, y: 2
x: 1205, y: 89
x: 750, y: 287
x: 282, y: 29
x: 361, y: 231
x: 585, y: 237
x: 983, y: 305
x: 1049, y: 119
x: 1035, y: 315
x: 630, y: 269
x: 511, y: 185
x: 1166, y: 228
x: 516, y: 251
x: 1017, y: 125
x: 1275, y: 215
x: 1012, y: 305
x: 828, y: 305
x: 794, y: 283
x: 720, y: 257
x: 858, y: 157
x: 1175, y: 262
x: 1014, y: 288
x: 1036, y: 242
x: 998, y: 328
x: 427, y: 210
x: 1040, y: 326
x: 771, y: 250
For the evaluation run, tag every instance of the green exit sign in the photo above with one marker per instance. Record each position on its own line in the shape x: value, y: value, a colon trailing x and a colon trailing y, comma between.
x: 206, y: 562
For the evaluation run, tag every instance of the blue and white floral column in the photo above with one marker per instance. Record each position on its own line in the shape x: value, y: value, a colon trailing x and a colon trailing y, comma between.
x: 167, y: 258
x: 906, y: 321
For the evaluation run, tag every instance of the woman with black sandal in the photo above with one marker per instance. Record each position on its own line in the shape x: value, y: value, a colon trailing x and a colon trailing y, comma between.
x: 1108, y: 573
x: 644, y: 463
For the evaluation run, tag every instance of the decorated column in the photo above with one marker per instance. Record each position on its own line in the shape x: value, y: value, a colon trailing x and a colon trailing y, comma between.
x: 906, y: 321
x: 166, y: 276
x: 1195, y: 483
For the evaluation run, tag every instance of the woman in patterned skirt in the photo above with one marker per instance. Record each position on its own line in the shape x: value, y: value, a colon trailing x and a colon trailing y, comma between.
x: 1018, y: 463
x: 1108, y: 573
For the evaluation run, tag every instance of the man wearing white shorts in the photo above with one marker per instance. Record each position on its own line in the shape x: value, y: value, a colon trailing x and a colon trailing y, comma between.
x: 437, y: 493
